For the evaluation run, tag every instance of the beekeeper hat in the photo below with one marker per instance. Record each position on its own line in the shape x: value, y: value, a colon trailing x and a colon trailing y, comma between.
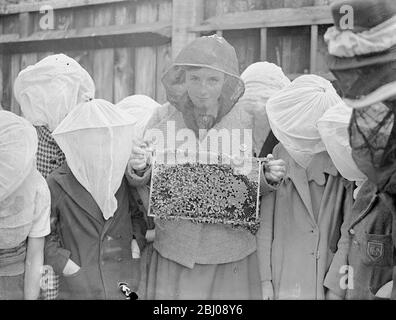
x: 48, y: 90
x: 96, y: 140
x: 18, y: 147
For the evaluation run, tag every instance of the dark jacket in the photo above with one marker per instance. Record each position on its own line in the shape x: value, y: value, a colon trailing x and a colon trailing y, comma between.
x: 101, y: 248
x: 365, y: 246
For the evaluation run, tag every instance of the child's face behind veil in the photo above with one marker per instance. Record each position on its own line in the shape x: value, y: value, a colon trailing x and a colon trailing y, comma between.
x: 204, y: 87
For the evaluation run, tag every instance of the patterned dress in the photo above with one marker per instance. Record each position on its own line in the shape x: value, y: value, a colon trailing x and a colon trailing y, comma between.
x: 49, y: 155
x: 49, y: 158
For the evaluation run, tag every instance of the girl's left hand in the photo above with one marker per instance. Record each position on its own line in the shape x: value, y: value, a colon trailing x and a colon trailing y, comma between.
x: 141, y: 156
x: 275, y: 170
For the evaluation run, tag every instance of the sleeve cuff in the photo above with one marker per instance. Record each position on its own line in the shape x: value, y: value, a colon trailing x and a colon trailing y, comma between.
x: 135, y: 179
x: 265, y: 186
x: 41, y: 233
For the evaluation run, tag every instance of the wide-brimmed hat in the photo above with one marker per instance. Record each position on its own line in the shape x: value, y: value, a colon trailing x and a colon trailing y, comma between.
x: 366, y: 13
x: 368, y: 38
x: 211, y: 52
x: 361, y: 41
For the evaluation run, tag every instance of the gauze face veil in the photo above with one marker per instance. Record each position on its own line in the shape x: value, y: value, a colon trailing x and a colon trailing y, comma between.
x: 96, y: 140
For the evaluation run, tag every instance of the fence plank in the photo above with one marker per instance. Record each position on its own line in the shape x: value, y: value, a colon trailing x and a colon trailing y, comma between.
x: 20, y: 61
x: 84, y: 18
x: 186, y: 14
x: 14, y: 70
x: 323, y: 2
x: 263, y: 44
x: 64, y: 19
x: 164, y: 53
x: 25, y: 24
x: 6, y: 93
x: 146, y: 57
x: 41, y: 55
x: 298, y: 3
x: 322, y: 52
x: 2, y: 67
x: 10, y: 23
x: 209, y: 9
x: 28, y: 59
x: 314, y: 48
x: 287, y: 54
x: 26, y: 27
x: 103, y: 59
x: 55, y: 4
x: 124, y: 67
x: 246, y: 44
x: 273, y: 4
x: 283, y: 17
x: 153, y: 33
x: 2, y: 76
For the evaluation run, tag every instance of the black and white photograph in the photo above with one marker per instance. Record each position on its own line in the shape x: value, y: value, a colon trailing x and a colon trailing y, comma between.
x: 210, y: 151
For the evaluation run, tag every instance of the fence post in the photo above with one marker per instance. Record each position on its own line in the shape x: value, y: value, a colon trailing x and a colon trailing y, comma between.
x: 314, y: 48
x: 263, y: 44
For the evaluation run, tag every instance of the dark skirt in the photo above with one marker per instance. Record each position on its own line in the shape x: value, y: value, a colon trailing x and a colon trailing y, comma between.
x: 239, y: 280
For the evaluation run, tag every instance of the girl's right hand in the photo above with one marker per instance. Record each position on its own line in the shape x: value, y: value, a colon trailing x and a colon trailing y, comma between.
x: 267, y: 290
x: 141, y: 156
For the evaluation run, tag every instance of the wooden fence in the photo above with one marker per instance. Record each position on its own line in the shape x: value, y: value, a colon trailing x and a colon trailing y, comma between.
x: 127, y: 45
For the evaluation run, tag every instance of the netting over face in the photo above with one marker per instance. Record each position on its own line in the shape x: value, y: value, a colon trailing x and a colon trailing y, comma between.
x: 262, y: 80
x: 293, y: 114
x: 373, y: 141
x: 357, y: 82
x: 142, y: 108
x: 206, y: 52
x: 96, y: 140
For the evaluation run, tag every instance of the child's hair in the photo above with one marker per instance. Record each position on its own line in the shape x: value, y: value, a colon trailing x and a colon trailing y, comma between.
x: 192, y: 68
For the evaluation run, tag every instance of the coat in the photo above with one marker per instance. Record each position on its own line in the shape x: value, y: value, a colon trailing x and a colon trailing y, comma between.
x: 365, y: 247
x: 101, y: 248
x: 188, y: 243
x: 295, y: 248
